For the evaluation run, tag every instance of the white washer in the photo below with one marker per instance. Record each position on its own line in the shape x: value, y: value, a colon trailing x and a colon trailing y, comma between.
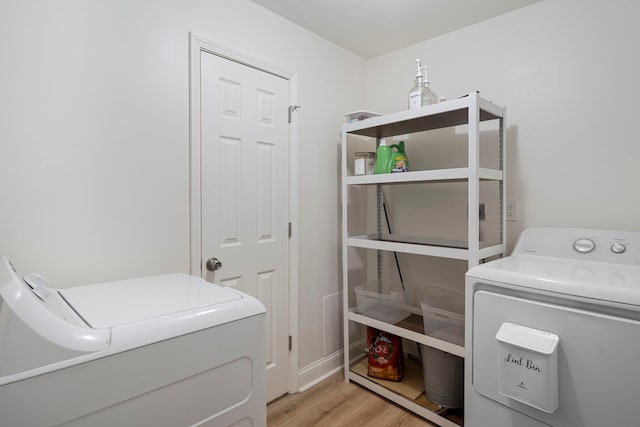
x: 553, y: 332
x: 170, y: 350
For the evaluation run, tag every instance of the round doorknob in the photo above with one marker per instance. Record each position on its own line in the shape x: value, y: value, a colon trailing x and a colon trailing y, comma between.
x: 213, y: 264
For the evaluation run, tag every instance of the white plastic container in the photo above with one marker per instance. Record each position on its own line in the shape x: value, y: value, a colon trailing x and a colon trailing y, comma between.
x: 356, y: 116
x: 443, y: 318
x: 528, y: 365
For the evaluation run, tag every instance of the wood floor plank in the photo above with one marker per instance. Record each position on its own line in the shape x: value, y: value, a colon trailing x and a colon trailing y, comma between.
x: 337, y: 403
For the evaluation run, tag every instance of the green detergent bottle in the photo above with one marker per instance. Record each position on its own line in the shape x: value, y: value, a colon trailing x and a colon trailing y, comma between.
x: 399, y: 161
x: 383, y: 157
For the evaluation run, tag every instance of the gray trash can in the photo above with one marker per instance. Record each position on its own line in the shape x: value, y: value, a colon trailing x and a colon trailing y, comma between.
x: 443, y: 317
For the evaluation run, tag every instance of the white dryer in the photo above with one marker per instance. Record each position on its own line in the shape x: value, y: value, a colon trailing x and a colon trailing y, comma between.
x: 170, y: 350
x: 553, y: 332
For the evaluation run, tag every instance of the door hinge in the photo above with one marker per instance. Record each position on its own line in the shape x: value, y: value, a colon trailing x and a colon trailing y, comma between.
x: 290, y: 230
x: 290, y: 342
x: 293, y: 108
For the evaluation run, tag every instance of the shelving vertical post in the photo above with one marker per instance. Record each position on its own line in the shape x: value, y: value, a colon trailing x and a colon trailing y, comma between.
x: 473, y: 184
x: 345, y: 262
x: 502, y: 185
x: 379, y: 229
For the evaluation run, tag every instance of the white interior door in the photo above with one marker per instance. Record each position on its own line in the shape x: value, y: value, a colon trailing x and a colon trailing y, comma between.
x: 244, y: 194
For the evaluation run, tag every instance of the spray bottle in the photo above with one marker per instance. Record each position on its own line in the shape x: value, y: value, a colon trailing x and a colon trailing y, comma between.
x: 421, y: 95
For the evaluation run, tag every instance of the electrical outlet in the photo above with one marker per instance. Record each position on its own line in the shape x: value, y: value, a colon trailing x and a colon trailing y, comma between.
x: 512, y: 210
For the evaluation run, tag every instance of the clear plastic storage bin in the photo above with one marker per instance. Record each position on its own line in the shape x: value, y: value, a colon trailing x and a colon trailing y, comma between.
x: 391, y: 305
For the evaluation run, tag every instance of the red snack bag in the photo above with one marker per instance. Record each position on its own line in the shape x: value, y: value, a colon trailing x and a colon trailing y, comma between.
x: 385, y: 355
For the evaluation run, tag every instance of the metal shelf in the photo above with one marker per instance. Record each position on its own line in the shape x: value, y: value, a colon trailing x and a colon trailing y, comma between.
x: 407, y: 333
x: 468, y: 110
x: 400, y: 400
x: 437, y: 116
x: 455, y: 249
x: 438, y: 175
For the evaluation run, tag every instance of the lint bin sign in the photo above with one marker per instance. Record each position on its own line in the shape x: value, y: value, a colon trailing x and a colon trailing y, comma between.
x: 528, y: 366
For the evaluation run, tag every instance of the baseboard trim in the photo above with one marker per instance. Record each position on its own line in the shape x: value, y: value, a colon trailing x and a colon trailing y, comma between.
x: 322, y: 369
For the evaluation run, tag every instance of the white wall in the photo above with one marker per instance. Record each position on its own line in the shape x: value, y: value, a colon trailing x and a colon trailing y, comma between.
x: 567, y: 71
x: 94, y: 139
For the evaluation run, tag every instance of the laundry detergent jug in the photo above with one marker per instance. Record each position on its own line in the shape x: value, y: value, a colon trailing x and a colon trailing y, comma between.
x: 399, y: 161
x: 383, y: 157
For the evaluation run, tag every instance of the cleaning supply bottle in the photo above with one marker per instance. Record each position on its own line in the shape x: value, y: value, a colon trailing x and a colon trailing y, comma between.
x: 433, y: 98
x: 399, y: 160
x: 383, y: 157
x: 420, y: 94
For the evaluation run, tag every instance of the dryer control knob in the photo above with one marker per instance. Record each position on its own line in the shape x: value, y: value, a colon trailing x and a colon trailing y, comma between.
x: 584, y: 245
x: 618, y: 248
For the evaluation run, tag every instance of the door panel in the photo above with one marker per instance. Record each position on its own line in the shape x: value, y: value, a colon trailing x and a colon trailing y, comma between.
x: 244, y: 200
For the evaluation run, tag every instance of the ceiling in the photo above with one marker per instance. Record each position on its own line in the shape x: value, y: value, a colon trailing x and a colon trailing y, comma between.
x: 370, y: 28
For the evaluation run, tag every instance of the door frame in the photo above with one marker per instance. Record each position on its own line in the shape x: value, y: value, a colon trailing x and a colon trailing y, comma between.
x: 198, y: 44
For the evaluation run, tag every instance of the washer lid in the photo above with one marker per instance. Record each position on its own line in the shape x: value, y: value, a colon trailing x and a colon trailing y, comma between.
x: 597, y: 280
x: 107, y: 305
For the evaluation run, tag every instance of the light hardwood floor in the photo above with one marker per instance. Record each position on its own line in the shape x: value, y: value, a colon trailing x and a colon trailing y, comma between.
x: 336, y: 403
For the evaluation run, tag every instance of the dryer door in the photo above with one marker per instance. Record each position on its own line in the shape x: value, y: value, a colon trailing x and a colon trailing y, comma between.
x: 598, y: 381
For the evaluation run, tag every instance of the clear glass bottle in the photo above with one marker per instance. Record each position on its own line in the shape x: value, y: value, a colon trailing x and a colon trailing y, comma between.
x: 420, y: 94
